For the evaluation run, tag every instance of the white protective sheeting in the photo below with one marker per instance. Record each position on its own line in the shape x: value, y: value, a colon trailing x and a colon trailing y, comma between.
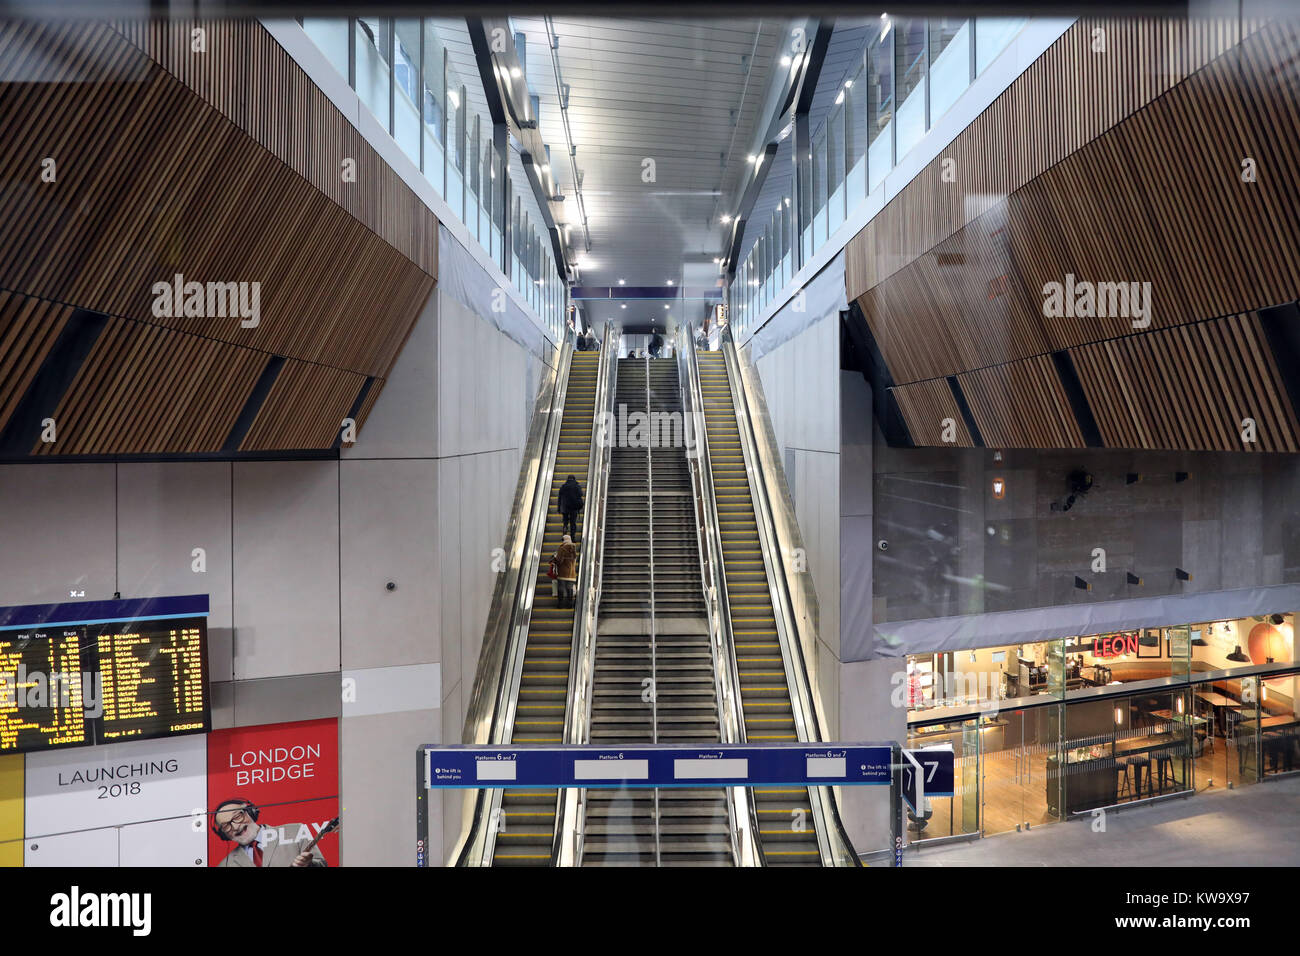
x: 967, y: 631
x: 461, y: 276
x: 820, y: 297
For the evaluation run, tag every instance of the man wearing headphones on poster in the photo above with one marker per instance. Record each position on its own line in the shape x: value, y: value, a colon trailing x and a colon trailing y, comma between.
x: 235, y: 821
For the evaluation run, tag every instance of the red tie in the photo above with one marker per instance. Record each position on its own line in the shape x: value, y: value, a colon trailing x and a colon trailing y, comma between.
x: 257, y: 855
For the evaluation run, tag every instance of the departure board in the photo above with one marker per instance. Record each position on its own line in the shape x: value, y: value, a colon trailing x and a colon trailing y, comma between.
x: 101, y: 681
x: 42, y: 703
x: 153, y: 679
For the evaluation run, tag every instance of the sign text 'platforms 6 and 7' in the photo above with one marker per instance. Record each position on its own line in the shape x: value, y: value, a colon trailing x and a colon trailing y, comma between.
x: 660, y: 766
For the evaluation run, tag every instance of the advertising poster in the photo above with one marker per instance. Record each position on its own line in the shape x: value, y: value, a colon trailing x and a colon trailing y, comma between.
x: 272, y: 792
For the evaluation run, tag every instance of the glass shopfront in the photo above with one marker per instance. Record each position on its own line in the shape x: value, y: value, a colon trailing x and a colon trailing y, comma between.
x: 1043, y: 732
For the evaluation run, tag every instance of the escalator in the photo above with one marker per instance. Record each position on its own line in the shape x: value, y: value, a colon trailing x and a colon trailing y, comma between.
x: 653, y: 677
x: 786, y: 822
x: 526, y: 821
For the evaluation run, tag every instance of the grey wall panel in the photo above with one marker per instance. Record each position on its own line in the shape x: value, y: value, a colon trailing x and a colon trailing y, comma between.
x: 403, y: 423
x: 857, y: 553
x: 273, y: 700
x: 59, y: 533
x: 448, y: 584
x: 451, y: 803
x: 867, y: 713
x: 955, y: 549
x: 378, y: 781
x: 855, y: 444
x: 389, y: 532
x: 164, y: 511
x: 286, y: 568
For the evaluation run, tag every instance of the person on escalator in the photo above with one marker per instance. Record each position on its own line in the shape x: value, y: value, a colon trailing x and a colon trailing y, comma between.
x: 656, y: 345
x: 592, y: 344
x: 570, y: 503
x: 566, y: 570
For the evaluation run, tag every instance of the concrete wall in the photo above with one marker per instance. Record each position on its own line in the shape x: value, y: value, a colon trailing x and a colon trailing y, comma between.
x: 299, y: 555
x: 800, y: 379
x: 954, y: 549
x: 822, y: 421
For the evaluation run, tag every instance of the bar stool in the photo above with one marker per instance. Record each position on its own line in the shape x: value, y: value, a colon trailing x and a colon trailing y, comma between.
x: 1274, y: 752
x: 1165, y: 762
x: 1141, y: 765
x: 1122, y: 769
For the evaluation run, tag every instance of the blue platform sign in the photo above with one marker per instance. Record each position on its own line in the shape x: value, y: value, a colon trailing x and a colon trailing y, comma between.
x: 737, y: 765
x: 935, y: 777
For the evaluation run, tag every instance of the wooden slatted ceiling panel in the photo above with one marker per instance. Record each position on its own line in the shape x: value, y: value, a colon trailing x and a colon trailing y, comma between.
x: 28, y: 330
x: 1158, y: 199
x: 304, y: 409
x: 1021, y: 405
x: 250, y: 79
x: 956, y: 308
x: 1066, y: 98
x: 150, y: 390
x: 152, y: 182
x: 1189, y: 387
x: 925, y: 405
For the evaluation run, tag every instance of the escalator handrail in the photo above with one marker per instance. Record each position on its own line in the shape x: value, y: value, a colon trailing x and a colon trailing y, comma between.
x: 756, y: 438
x: 577, y: 719
x: 489, y: 717
x: 715, y: 587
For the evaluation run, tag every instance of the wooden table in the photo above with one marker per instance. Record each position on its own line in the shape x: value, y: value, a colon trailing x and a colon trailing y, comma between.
x: 1220, y: 703
x: 1216, y: 700
x: 1281, y: 720
x: 1179, y: 718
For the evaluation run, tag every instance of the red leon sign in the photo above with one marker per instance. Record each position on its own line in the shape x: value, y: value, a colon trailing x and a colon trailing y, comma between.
x: 1113, y: 645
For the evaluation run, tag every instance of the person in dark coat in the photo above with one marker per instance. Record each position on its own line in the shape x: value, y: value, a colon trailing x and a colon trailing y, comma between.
x: 656, y: 345
x: 570, y: 502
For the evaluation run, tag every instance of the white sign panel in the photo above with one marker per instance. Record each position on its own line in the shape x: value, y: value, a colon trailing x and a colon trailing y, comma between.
x: 88, y: 788
x: 92, y: 848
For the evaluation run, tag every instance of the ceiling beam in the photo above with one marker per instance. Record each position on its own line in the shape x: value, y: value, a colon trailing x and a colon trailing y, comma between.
x: 509, y: 103
x: 794, y: 99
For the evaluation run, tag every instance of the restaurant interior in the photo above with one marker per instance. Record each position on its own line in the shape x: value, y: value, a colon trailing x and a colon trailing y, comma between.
x: 1046, y: 731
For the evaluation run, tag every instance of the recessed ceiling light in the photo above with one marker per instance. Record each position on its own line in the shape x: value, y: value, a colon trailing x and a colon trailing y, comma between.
x: 787, y: 200
x: 751, y: 158
x: 726, y: 219
x: 665, y: 306
x: 620, y: 281
x: 670, y: 281
x: 516, y: 72
x: 847, y: 84
x: 785, y: 60
x: 623, y: 306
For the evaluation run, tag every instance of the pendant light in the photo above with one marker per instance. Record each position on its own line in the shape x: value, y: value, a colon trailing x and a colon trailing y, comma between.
x: 1236, y: 655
